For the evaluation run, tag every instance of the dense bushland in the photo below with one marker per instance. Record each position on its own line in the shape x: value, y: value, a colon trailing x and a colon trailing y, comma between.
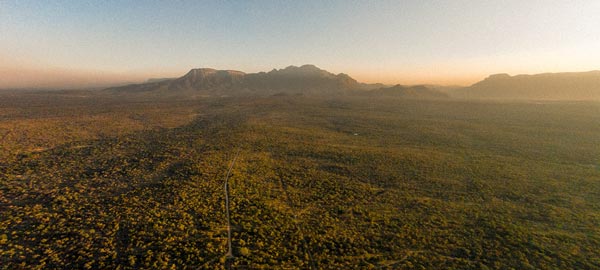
x: 330, y: 183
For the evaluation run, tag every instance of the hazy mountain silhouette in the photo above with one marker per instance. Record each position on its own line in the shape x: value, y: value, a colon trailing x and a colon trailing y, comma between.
x: 154, y: 80
x: 306, y: 79
x: 417, y: 91
x: 547, y: 86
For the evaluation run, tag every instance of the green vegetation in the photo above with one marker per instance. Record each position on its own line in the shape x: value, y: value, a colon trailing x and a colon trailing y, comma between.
x: 348, y: 183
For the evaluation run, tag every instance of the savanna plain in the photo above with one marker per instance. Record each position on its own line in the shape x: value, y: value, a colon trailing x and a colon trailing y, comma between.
x: 94, y: 182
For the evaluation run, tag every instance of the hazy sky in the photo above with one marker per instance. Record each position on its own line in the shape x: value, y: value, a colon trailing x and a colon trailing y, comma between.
x: 80, y: 42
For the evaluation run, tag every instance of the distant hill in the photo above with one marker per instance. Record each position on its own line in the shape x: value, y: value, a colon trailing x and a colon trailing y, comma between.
x: 547, y: 86
x: 153, y: 80
x: 372, y: 86
x: 417, y: 92
x: 443, y: 88
x: 306, y: 79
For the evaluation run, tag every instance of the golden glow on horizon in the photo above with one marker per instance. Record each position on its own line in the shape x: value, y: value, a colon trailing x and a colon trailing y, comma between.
x: 33, y: 77
x: 30, y: 77
x: 32, y: 73
x: 52, y: 44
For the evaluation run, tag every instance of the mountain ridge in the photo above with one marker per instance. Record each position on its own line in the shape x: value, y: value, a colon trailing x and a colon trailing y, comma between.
x: 402, y: 91
x: 543, y: 86
x: 304, y: 79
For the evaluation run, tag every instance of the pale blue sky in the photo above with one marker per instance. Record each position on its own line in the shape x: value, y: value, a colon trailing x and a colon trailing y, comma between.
x: 388, y: 41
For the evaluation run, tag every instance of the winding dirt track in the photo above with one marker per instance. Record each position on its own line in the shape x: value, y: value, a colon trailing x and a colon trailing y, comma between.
x: 229, y: 254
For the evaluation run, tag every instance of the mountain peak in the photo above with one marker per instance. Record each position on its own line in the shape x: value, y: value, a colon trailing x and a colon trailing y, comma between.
x: 303, y: 67
x: 205, y: 78
x: 208, y: 71
x: 498, y: 76
x: 302, y: 71
x: 310, y: 67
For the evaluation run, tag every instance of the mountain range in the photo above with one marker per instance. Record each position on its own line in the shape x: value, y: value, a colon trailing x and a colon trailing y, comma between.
x: 546, y: 86
x: 306, y: 80
x: 402, y: 91
x: 311, y: 80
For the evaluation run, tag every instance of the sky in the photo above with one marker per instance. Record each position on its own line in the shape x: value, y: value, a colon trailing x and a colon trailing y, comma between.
x: 93, y: 43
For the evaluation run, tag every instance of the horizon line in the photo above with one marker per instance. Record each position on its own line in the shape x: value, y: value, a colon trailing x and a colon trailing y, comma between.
x: 71, y: 79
